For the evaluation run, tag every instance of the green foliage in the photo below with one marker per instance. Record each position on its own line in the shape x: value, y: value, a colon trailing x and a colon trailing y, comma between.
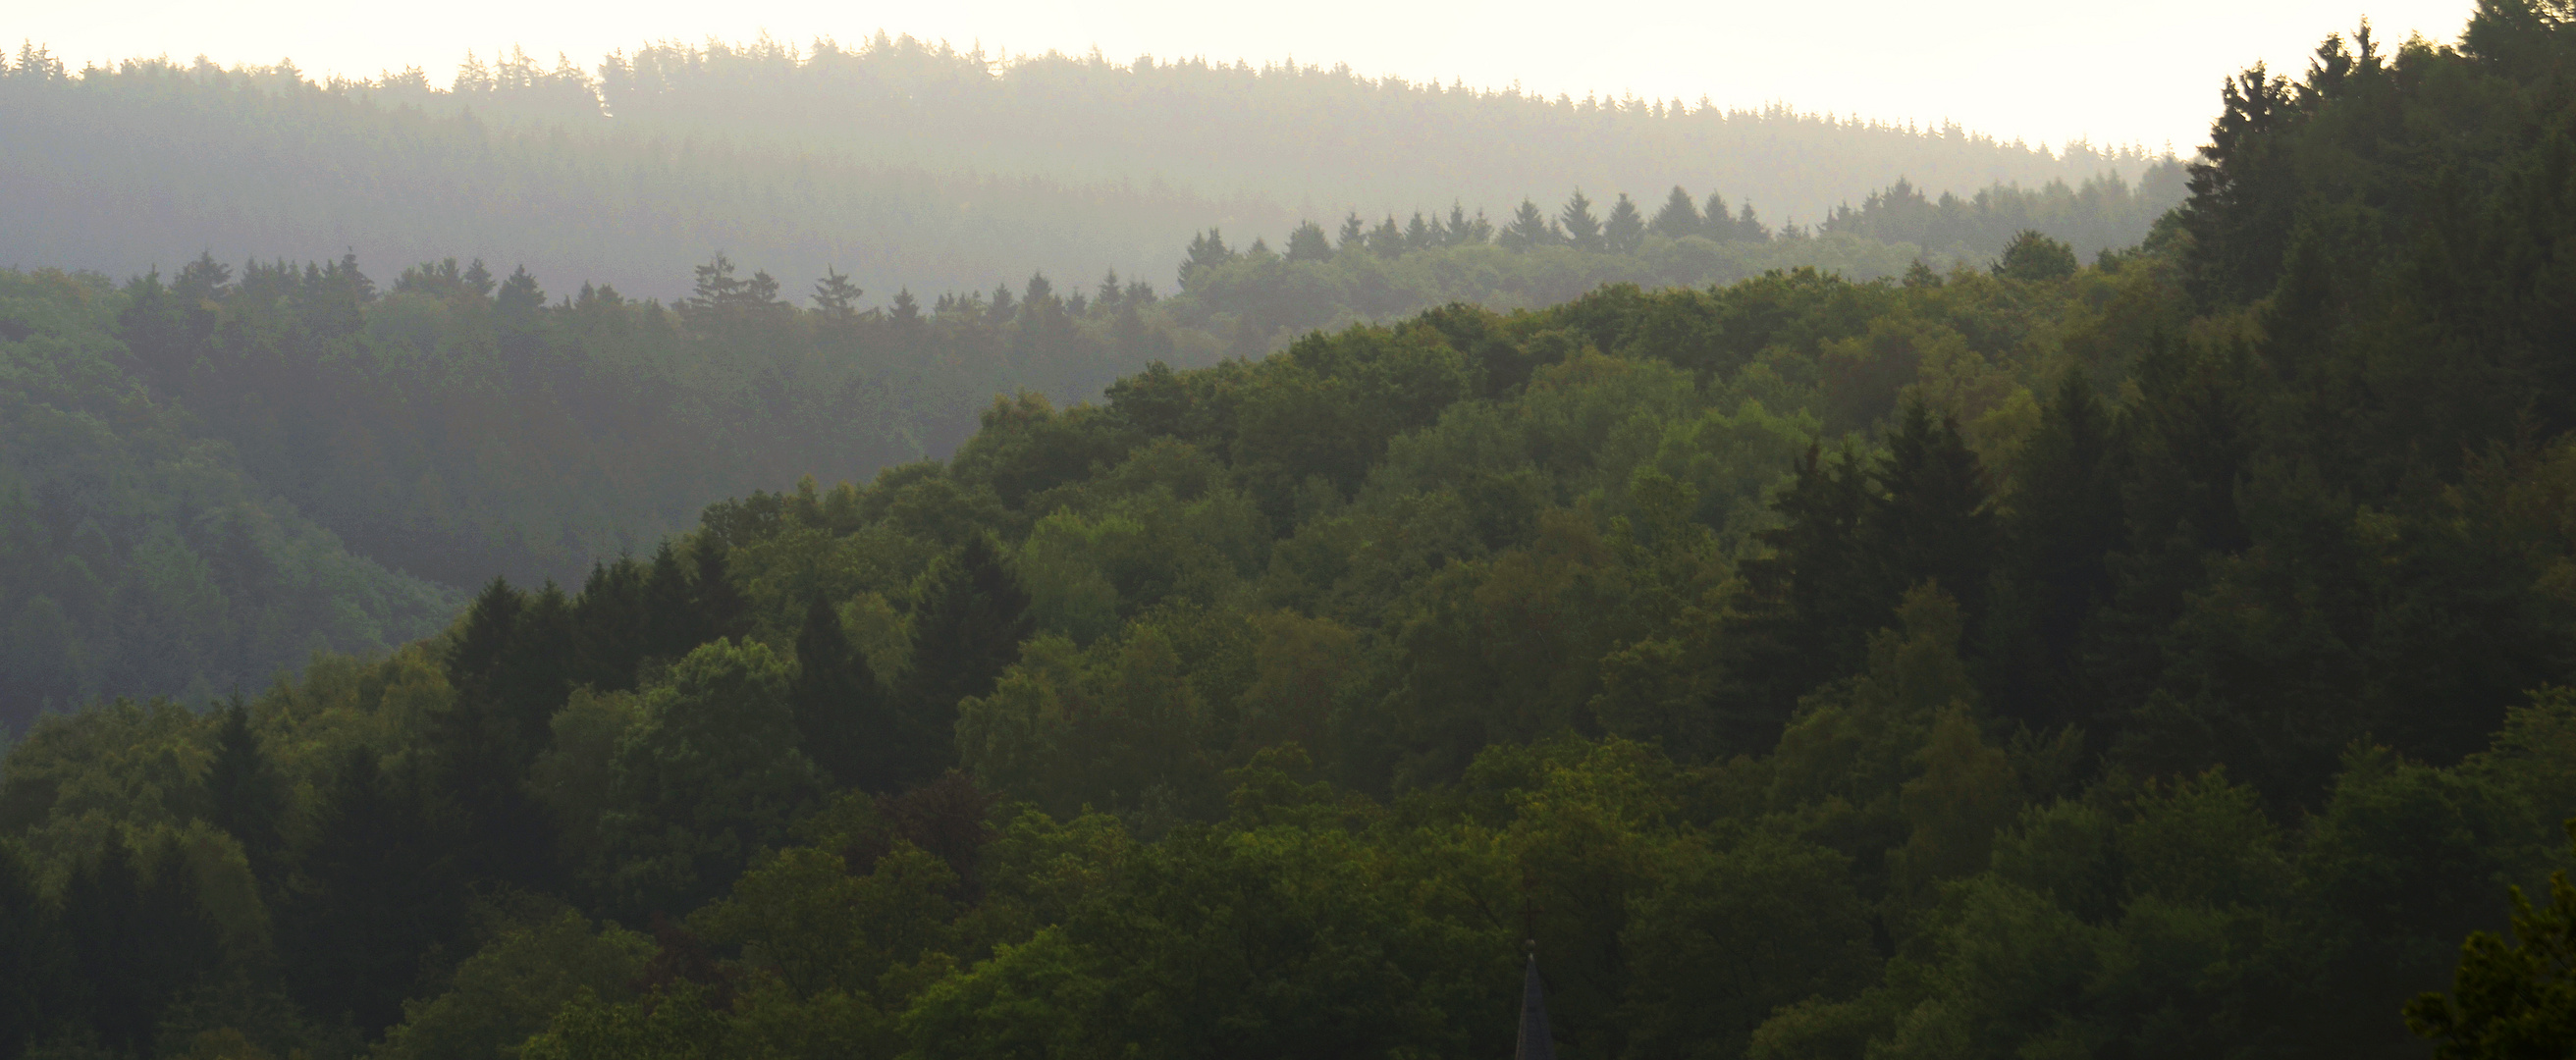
x: 2510, y: 999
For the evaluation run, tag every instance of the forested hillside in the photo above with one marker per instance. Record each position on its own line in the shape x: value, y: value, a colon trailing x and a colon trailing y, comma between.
x: 2161, y: 654
x: 452, y: 423
x: 138, y: 557
x: 894, y: 163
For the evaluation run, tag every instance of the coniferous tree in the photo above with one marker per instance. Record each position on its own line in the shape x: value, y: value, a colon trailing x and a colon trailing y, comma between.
x: 31, y: 973
x: 1307, y: 242
x: 375, y: 890
x: 841, y: 718
x: 540, y: 665
x: 836, y: 297
x: 969, y: 618
x: 2065, y: 524
x: 1934, y: 519
x: 1386, y: 240
x: 672, y: 623
x: 609, y: 625
x: 474, y: 661
x: 1421, y: 233
x: 719, y: 604
x: 1679, y: 216
x: 1528, y: 229
x: 244, y: 794
x: 1625, y: 230
x: 1716, y: 221
x: 1354, y: 234
x: 138, y: 935
x: 1582, y: 229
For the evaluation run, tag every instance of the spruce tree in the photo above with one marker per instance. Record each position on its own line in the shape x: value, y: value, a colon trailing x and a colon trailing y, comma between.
x: 2067, y: 521
x: 1528, y: 229
x: 138, y: 936
x: 1933, y: 519
x: 1307, y: 242
x: 31, y: 972
x: 609, y: 625
x: 1625, y: 231
x: 541, y: 665
x: 969, y: 617
x: 474, y: 660
x: 1582, y: 229
x: 244, y: 793
x: 722, y: 612
x: 375, y: 890
x: 841, y: 716
x: 1679, y: 216
x: 1354, y: 233
x: 670, y: 613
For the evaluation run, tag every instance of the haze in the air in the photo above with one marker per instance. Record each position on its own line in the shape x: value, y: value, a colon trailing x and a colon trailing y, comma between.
x: 2038, y: 70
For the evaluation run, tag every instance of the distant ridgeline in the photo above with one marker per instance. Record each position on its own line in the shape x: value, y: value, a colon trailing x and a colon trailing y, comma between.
x: 2161, y: 654
x: 893, y: 162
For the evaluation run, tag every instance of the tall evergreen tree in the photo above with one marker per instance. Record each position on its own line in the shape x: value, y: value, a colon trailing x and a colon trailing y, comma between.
x: 138, y: 936
x: 1625, y: 230
x: 841, y: 716
x: 2066, y: 522
x: 1528, y: 229
x: 245, y: 794
x: 376, y: 889
x: 609, y: 627
x: 671, y: 622
x: 1582, y: 229
x: 1679, y: 216
x: 1934, y: 519
x: 722, y: 612
x: 969, y: 616
x: 1309, y: 243
x: 31, y: 976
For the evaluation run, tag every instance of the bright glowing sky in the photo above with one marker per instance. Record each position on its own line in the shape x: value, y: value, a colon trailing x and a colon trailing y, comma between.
x: 2039, y: 70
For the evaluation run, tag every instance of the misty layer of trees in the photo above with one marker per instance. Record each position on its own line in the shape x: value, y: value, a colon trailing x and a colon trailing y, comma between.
x: 453, y: 422
x: 1537, y: 257
x: 2159, y: 656
x: 893, y: 162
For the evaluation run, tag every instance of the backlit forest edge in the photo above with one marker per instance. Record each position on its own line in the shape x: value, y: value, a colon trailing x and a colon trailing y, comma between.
x: 2161, y: 654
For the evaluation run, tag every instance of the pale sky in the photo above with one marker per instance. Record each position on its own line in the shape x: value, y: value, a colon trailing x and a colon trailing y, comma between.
x: 2039, y: 70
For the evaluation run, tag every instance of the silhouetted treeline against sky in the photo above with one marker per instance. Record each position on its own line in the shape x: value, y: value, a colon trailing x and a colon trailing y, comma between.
x: 894, y: 162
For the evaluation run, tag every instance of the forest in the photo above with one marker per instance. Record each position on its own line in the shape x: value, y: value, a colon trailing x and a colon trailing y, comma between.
x: 893, y: 161
x: 454, y: 423
x: 2130, y: 652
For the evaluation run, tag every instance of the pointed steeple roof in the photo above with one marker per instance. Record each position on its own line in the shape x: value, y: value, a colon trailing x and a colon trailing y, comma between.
x: 1536, y: 1042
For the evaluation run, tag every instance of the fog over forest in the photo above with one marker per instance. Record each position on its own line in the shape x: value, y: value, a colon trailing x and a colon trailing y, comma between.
x: 895, y: 161
x: 828, y: 552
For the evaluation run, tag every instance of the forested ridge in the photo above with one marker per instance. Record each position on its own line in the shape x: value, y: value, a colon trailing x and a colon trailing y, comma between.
x: 892, y: 161
x: 452, y: 422
x: 2166, y: 653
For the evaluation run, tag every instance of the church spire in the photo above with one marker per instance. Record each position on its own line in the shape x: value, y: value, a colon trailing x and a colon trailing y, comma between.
x: 1536, y: 1043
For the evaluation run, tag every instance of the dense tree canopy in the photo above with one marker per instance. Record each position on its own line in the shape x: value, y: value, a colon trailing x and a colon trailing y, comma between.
x: 2166, y: 654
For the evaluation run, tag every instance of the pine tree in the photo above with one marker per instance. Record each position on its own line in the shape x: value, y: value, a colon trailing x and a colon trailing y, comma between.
x: 608, y: 625
x: 841, y: 716
x: 2067, y: 521
x: 375, y: 890
x: 1354, y: 233
x: 836, y: 297
x: 1934, y: 519
x: 1307, y: 242
x: 1528, y: 229
x: 719, y: 604
x: 1625, y: 231
x: 671, y: 622
x: 1679, y: 217
x: 137, y: 935
x: 1420, y: 233
x: 1582, y: 229
x: 31, y: 957
x: 1386, y: 240
x: 245, y: 795
x: 969, y: 618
